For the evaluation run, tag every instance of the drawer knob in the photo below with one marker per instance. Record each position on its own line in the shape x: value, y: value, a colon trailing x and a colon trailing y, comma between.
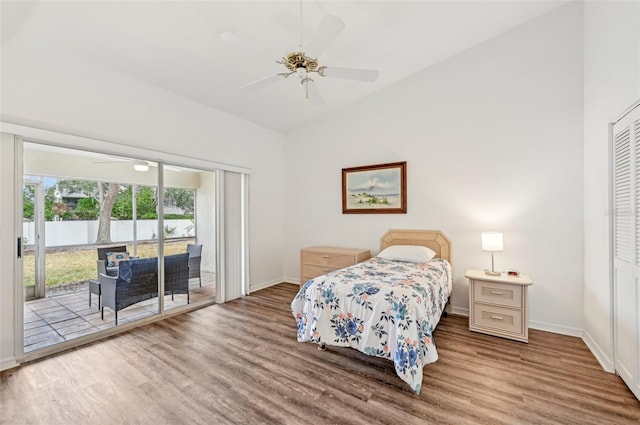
x: 326, y: 256
x: 327, y: 270
x: 497, y: 292
x: 494, y: 317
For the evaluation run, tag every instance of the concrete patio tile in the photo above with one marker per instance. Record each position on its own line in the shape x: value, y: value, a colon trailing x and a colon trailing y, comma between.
x: 80, y: 333
x: 91, y: 312
x: 42, y: 311
x: 37, y: 330
x: 43, y: 303
x: 66, y: 323
x: 30, y: 317
x: 86, y: 310
x: 34, y: 324
x: 43, y: 337
x: 43, y: 344
x: 78, y: 327
x: 108, y: 325
x: 58, y: 316
x: 73, y: 302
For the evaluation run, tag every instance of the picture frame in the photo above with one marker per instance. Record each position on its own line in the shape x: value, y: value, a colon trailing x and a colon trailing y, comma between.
x: 375, y: 189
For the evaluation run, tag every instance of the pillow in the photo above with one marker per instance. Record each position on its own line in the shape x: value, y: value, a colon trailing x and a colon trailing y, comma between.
x: 114, y: 258
x: 407, y: 253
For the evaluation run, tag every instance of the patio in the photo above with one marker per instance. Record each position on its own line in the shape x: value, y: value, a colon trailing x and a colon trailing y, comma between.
x: 67, y: 315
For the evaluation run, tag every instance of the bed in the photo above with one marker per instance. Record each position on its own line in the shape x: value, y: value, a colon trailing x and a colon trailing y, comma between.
x: 382, y: 307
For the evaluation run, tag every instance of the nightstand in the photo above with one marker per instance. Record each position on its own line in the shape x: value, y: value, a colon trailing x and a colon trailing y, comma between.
x: 498, y: 305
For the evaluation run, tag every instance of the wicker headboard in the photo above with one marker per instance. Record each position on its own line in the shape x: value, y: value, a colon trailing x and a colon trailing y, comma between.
x: 432, y: 239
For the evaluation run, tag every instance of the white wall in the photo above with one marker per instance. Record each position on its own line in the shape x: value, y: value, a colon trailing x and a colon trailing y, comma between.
x: 206, y: 220
x: 611, y: 85
x: 122, y: 110
x: 493, y: 140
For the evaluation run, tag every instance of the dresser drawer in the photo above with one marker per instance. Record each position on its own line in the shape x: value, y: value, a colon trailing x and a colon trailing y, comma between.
x: 306, y: 279
x: 318, y: 260
x: 502, y: 294
x: 314, y: 271
x: 335, y: 261
x: 498, y: 318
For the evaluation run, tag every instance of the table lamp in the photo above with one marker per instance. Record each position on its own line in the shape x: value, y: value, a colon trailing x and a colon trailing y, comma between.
x: 492, y: 242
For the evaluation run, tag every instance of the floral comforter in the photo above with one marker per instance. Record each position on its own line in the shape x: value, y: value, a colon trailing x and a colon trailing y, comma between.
x: 382, y: 308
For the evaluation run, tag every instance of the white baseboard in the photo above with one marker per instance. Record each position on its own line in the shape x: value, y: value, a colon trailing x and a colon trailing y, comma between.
x: 542, y: 326
x: 459, y: 311
x: 9, y: 363
x: 598, y: 353
x: 293, y: 280
x: 556, y: 329
x: 262, y: 285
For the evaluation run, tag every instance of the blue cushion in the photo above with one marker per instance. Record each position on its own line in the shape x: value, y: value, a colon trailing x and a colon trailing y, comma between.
x: 114, y: 258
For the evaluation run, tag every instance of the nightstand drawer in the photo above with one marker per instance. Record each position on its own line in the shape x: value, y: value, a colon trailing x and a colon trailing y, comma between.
x: 498, y: 293
x: 494, y: 317
x: 334, y: 261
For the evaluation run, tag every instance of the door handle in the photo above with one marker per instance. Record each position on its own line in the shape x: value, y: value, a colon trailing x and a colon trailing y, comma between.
x: 19, y: 247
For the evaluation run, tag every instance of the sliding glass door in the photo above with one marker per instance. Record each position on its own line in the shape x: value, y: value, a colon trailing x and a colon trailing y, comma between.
x: 99, y: 233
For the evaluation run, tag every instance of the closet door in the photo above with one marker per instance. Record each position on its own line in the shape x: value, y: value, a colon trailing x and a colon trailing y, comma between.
x: 626, y: 247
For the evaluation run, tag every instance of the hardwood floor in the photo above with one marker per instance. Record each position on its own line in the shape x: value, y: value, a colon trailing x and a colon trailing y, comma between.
x: 240, y: 363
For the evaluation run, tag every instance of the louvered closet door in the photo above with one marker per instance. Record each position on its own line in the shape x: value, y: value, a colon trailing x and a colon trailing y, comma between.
x: 626, y: 246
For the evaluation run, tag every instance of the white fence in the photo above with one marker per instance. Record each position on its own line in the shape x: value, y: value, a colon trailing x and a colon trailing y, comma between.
x: 82, y: 232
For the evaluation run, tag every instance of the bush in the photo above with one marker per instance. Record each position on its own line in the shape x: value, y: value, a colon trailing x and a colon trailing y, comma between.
x: 178, y: 216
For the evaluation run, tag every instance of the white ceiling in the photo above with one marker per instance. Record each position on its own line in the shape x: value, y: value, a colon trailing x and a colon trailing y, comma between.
x: 175, y: 45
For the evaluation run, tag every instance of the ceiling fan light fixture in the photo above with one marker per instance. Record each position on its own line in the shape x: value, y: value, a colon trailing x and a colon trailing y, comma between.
x: 141, y: 166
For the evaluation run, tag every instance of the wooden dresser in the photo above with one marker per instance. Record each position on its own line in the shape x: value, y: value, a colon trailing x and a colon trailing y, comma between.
x: 498, y: 305
x: 318, y: 260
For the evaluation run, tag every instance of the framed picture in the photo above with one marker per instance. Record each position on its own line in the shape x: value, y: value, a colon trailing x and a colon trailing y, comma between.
x: 375, y: 189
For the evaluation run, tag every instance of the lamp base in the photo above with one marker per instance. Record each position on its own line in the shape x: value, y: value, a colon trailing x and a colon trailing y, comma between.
x: 490, y: 273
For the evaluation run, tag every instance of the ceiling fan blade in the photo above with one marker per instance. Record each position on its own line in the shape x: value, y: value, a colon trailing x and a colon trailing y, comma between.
x: 313, y: 94
x: 237, y: 41
x: 264, y: 82
x: 369, y: 75
x: 327, y: 31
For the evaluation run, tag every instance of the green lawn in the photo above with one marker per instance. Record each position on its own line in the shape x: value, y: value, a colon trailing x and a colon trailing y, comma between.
x: 79, y: 264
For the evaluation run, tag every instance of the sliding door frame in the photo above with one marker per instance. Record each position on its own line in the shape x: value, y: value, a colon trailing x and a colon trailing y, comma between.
x: 27, y: 134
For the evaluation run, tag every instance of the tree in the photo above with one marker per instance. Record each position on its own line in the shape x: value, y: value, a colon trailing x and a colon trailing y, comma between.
x: 85, y: 187
x: 104, y: 220
x: 49, y: 203
x: 87, y: 209
x: 181, y: 198
x: 146, y: 203
x: 28, y: 199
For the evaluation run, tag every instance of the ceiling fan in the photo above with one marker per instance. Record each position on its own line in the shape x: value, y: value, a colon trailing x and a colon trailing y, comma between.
x: 138, y: 164
x: 302, y: 61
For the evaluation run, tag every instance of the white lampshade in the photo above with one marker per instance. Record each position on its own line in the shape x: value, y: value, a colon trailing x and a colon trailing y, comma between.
x: 492, y: 241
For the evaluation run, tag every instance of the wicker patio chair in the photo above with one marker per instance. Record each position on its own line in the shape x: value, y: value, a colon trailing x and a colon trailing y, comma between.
x: 195, y: 258
x: 101, y: 268
x: 176, y: 274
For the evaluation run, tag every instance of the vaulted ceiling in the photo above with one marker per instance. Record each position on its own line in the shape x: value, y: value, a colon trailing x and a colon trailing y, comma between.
x: 176, y: 45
